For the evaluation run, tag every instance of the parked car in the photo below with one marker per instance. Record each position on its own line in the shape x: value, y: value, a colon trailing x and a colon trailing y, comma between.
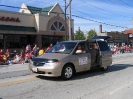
x: 69, y: 57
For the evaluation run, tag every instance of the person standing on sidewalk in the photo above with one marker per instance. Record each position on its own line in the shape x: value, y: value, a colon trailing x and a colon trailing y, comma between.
x: 41, y: 51
x: 1, y: 56
x: 35, y: 51
x: 28, y: 48
x: 48, y: 48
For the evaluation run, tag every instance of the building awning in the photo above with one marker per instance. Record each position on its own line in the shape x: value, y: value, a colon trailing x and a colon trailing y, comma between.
x: 17, y: 28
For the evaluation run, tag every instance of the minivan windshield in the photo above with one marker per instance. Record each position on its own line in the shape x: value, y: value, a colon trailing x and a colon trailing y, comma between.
x: 62, y: 47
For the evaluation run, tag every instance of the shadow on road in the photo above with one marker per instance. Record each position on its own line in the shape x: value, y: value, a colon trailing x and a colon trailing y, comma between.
x: 97, y: 71
x: 91, y: 73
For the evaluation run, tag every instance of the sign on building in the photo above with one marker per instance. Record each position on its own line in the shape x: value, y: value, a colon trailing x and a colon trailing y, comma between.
x: 130, y: 35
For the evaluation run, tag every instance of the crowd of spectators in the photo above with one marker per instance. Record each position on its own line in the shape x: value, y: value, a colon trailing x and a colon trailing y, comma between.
x: 21, y: 57
x: 115, y: 49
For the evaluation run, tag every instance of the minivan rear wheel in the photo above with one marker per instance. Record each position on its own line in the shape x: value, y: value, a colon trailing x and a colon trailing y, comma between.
x: 67, y: 72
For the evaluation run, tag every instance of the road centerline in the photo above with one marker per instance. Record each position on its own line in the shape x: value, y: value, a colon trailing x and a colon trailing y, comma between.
x: 18, y: 81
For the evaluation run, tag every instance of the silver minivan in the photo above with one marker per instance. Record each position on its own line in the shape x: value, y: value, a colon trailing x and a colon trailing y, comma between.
x: 69, y: 57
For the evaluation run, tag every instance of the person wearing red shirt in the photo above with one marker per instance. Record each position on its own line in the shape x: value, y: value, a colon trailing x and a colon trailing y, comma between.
x: 127, y: 49
x: 95, y: 46
x: 22, y: 55
x: 1, y: 55
x: 1, y: 52
x: 7, y: 53
x: 49, y: 47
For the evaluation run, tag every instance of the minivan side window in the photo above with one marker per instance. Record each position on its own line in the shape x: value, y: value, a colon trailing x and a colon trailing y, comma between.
x: 103, y: 46
x: 83, y: 47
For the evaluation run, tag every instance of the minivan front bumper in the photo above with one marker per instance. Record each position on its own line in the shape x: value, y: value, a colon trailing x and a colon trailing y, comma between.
x: 53, y: 71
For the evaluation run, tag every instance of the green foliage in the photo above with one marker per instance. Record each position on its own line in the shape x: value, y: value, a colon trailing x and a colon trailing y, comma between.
x: 91, y: 33
x: 79, y: 35
x: 65, y: 38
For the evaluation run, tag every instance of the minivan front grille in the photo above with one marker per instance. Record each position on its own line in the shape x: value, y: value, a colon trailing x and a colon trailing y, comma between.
x: 38, y: 63
x: 40, y: 72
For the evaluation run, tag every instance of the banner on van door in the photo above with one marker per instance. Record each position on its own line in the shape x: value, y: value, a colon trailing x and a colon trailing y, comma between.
x: 83, y: 60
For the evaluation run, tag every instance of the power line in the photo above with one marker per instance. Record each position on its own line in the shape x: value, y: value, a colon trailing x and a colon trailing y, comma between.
x: 67, y: 14
x: 39, y: 1
x: 126, y: 4
x: 119, y: 4
x: 99, y: 21
x: 68, y: 4
x: 89, y: 15
x: 104, y: 9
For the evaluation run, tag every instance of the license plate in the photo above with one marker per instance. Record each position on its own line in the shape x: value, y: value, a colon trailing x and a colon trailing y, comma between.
x: 34, y: 69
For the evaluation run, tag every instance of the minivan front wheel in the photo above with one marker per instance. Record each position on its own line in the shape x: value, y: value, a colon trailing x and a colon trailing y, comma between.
x: 67, y: 72
x: 105, y: 68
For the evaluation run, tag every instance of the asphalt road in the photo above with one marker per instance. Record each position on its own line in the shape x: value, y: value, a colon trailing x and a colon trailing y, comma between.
x: 16, y: 82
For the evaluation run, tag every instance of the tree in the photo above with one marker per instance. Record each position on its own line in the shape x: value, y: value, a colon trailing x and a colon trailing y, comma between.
x: 79, y: 35
x: 91, y: 33
x: 65, y: 38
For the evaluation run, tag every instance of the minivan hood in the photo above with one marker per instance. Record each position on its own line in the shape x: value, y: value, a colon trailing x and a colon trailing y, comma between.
x: 57, y: 56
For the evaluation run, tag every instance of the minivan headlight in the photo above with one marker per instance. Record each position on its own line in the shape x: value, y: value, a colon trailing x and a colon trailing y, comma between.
x: 52, y: 64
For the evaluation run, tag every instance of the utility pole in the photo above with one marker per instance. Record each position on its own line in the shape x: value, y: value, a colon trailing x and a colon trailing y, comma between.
x: 69, y: 10
x: 70, y: 34
x: 132, y: 28
x: 65, y: 21
x: 132, y: 19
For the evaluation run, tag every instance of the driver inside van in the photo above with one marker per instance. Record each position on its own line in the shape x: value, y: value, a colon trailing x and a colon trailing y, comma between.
x: 80, y: 49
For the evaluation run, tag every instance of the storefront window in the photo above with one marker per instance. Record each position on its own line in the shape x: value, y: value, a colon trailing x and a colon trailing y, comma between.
x: 19, y: 41
x: 24, y: 39
x: 32, y: 39
x: 9, y: 41
x: 1, y: 41
x: 47, y: 40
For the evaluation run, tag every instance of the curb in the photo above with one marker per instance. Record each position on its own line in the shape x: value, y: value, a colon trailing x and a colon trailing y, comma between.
x: 122, y: 61
x: 13, y: 65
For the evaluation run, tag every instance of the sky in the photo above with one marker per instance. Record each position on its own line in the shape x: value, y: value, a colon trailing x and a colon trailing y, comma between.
x: 113, y: 15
